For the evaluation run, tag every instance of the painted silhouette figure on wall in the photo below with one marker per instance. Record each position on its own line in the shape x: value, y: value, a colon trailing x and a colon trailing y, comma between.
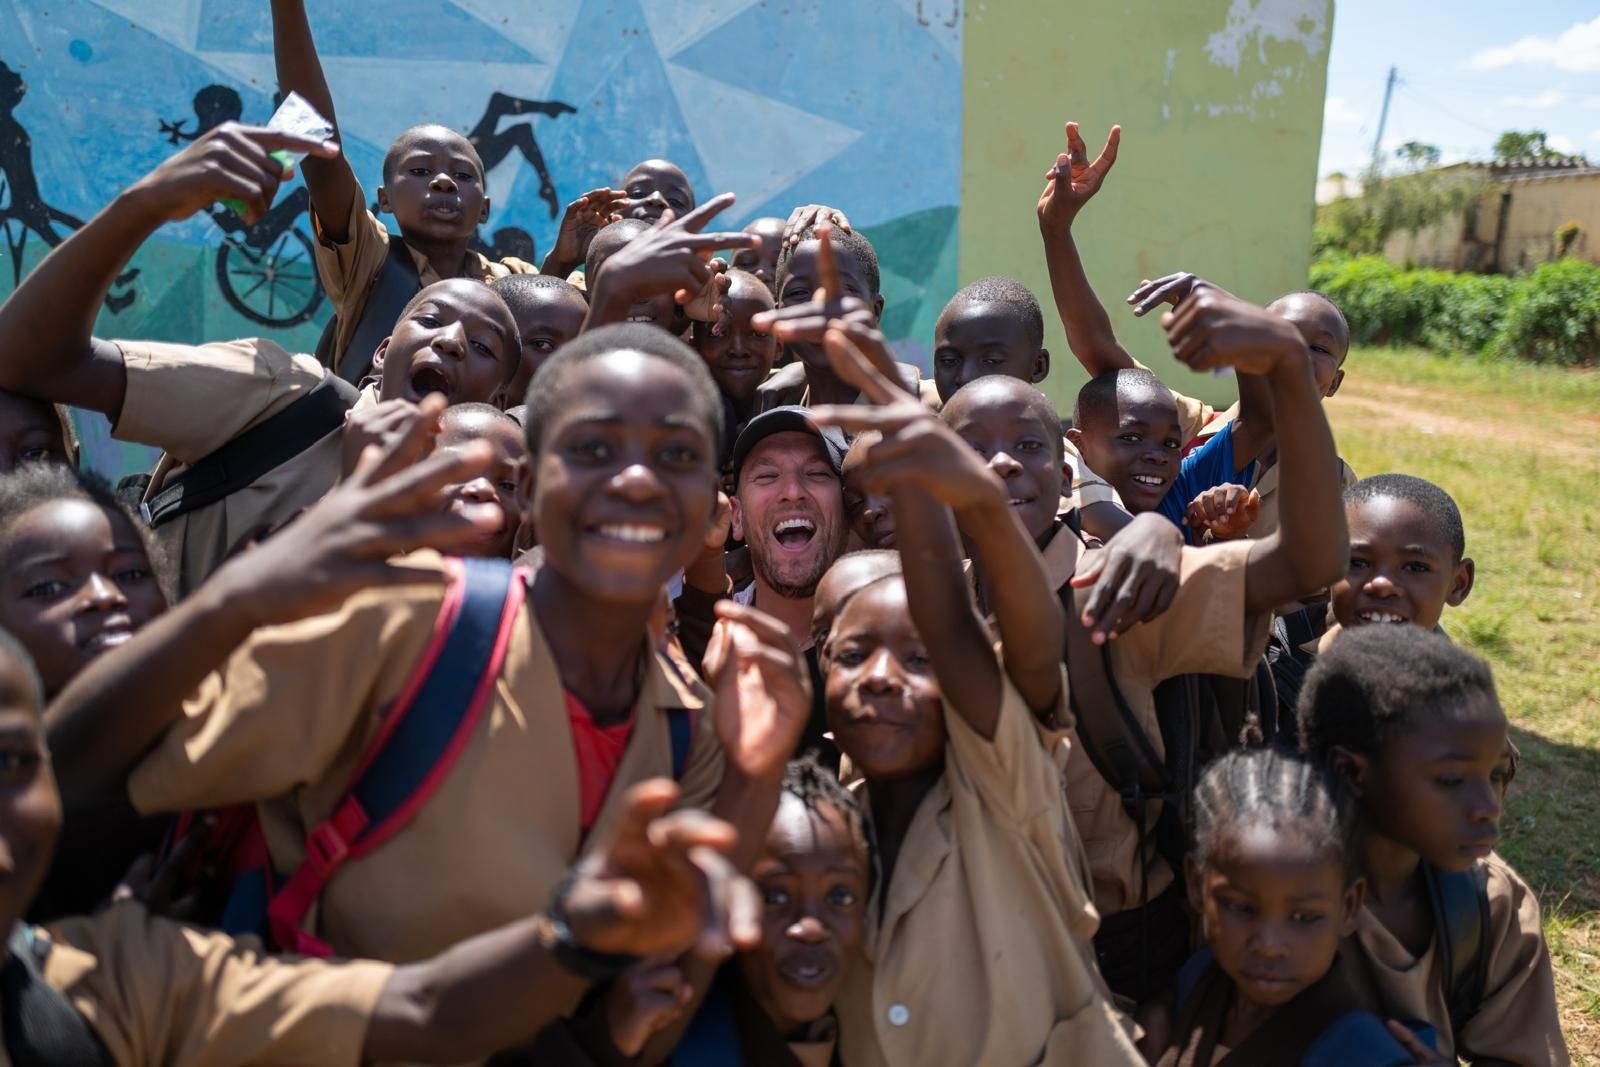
x: 23, y: 209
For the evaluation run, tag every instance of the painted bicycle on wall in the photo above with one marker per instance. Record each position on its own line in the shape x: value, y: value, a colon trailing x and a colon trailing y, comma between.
x: 265, y: 269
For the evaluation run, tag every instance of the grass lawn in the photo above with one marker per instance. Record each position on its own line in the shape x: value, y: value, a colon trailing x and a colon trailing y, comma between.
x: 1519, y: 449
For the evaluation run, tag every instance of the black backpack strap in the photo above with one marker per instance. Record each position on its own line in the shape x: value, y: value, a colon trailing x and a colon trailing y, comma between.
x: 1460, y: 905
x: 266, y: 446
x: 397, y: 282
x: 40, y: 1026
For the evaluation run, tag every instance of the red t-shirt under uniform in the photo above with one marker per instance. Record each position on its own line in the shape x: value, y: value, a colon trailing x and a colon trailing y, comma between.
x: 599, y: 750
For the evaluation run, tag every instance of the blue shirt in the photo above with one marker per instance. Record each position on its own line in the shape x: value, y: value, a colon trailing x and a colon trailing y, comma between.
x: 1206, y: 467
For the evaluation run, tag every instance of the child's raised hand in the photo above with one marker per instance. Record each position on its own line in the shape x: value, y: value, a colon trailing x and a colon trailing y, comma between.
x: 670, y: 258
x: 808, y: 321
x: 1227, y: 511
x: 705, y: 305
x: 1172, y: 289
x: 230, y: 162
x: 808, y: 216
x: 1213, y: 329
x: 390, y: 505
x: 582, y: 220
x: 1135, y: 577
x: 643, y: 999
x: 389, y: 424
x: 763, y: 688
x: 1072, y: 181
x: 661, y: 883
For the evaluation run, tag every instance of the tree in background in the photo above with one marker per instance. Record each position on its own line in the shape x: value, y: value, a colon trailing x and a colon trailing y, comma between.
x: 1524, y: 144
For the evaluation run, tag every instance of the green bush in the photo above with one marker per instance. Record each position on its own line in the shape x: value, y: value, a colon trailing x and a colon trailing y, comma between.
x: 1551, y: 315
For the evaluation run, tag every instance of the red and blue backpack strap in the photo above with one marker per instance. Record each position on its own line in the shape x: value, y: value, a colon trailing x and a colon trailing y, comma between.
x: 423, y: 734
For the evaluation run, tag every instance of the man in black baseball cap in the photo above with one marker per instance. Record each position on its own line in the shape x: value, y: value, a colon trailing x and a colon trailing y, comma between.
x: 788, y: 508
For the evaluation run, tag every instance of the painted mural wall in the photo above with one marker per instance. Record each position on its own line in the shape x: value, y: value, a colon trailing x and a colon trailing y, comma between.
x: 928, y: 121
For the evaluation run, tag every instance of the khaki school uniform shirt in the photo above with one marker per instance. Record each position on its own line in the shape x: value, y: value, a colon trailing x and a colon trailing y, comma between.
x: 1206, y: 631
x: 288, y: 717
x: 190, y: 400
x: 349, y: 270
x: 164, y: 995
x: 977, y: 953
x: 1517, y: 1021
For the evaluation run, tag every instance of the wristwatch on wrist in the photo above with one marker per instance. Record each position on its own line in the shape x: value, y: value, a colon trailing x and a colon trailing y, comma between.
x: 565, y: 948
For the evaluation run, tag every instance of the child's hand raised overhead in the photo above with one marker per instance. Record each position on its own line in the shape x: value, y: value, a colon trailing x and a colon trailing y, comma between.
x: 1227, y: 511
x: 1213, y: 329
x: 763, y: 690
x: 670, y: 258
x: 582, y: 220
x: 807, y: 322
x: 230, y: 162
x: 1073, y: 180
x: 808, y: 216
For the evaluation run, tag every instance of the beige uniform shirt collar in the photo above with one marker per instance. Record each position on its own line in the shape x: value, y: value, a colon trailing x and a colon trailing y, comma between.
x: 915, y: 868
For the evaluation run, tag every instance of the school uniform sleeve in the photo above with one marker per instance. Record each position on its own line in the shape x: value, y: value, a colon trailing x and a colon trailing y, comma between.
x: 1013, y: 773
x: 190, y: 400
x: 1207, y: 467
x: 1518, y: 1020
x: 1207, y: 630
x: 161, y: 993
x: 348, y: 267
x: 290, y: 703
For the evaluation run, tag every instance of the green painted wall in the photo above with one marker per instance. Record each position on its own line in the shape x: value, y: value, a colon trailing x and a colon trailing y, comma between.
x: 1220, y: 103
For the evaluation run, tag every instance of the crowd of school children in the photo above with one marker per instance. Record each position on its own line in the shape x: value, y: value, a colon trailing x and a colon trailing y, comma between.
x: 627, y: 661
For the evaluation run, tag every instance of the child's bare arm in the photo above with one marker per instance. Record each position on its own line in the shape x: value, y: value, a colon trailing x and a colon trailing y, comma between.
x: 331, y: 182
x: 930, y: 474
x: 1310, y: 548
x: 110, y: 715
x: 47, y: 345
x: 1069, y: 185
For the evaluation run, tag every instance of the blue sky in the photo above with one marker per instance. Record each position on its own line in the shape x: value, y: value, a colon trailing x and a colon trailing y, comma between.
x: 1468, y: 70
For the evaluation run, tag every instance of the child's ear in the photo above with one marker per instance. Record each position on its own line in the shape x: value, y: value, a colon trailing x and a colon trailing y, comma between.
x: 1041, y: 367
x: 377, y: 355
x: 1338, y: 380
x: 383, y: 202
x: 1075, y: 435
x: 1466, y: 574
x: 877, y: 309
x: 1354, y: 897
x: 1353, y: 767
x: 483, y: 212
x: 737, y: 526
x: 524, y: 496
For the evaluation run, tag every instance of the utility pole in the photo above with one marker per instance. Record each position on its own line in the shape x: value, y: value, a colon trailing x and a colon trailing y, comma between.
x: 1383, y: 118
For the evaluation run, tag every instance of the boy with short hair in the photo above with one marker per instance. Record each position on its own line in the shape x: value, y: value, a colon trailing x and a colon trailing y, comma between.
x: 433, y: 182
x: 621, y: 486
x: 1413, y: 724
x: 549, y: 313
x: 762, y: 262
x: 202, y: 404
x: 993, y: 326
x: 655, y: 186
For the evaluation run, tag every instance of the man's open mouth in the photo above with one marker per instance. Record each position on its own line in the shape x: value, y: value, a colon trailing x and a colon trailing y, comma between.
x: 429, y: 378
x: 794, y: 534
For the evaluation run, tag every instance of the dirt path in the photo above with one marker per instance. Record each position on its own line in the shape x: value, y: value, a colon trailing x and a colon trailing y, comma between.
x: 1568, y: 435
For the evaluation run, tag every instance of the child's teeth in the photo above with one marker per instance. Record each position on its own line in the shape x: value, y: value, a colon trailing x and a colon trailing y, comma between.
x: 1146, y: 479
x: 638, y: 534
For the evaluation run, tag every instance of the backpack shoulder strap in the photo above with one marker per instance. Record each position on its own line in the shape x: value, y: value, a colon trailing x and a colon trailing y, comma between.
x: 423, y: 734
x: 1460, y: 905
x: 40, y: 1026
x: 397, y: 282
x: 681, y: 726
x: 269, y: 444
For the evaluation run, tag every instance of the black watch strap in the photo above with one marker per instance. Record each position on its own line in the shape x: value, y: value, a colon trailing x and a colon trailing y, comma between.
x: 574, y: 957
